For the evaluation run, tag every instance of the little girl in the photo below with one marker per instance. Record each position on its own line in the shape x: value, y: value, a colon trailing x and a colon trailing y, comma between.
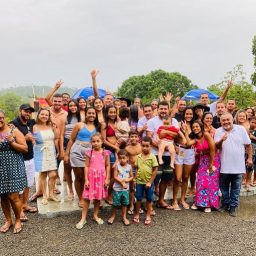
x: 97, y: 173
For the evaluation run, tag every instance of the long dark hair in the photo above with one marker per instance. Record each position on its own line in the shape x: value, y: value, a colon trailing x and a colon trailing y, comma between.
x: 134, y: 114
x: 70, y: 114
x: 193, y: 135
x: 106, y: 114
x: 96, y: 121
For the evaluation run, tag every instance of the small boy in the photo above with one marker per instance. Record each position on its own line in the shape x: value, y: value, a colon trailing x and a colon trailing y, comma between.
x: 133, y: 149
x: 146, y: 166
x: 167, y: 141
x: 122, y: 176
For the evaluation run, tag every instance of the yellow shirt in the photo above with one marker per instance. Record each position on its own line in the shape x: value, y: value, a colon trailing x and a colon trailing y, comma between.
x: 145, y: 168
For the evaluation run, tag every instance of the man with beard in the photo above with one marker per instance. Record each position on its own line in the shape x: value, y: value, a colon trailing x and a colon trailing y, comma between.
x: 220, y: 109
x: 25, y: 124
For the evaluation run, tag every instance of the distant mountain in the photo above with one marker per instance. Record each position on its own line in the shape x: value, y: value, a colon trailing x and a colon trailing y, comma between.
x: 26, y: 92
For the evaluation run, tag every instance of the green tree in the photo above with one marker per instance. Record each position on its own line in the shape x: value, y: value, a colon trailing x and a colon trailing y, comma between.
x: 10, y: 103
x: 254, y: 53
x: 150, y: 86
x: 242, y: 91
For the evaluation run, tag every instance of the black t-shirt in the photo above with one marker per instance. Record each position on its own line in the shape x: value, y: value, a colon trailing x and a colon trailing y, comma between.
x: 178, y: 116
x: 216, y: 122
x: 25, y: 128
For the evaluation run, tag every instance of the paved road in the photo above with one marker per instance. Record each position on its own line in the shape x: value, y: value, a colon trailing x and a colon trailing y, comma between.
x: 172, y: 233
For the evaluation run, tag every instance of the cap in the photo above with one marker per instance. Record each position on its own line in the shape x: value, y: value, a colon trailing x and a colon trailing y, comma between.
x: 27, y: 107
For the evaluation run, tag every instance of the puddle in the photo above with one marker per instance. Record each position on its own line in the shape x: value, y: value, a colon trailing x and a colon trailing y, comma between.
x: 247, y: 208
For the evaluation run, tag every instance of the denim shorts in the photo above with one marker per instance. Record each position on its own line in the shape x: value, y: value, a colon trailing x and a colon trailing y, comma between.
x: 141, y: 190
x: 121, y: 197
x: 162, y: 175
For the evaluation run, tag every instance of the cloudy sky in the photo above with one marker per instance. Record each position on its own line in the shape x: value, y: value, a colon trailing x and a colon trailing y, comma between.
x: 44, y: 41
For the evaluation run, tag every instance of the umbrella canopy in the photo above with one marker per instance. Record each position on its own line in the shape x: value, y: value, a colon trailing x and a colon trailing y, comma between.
x: 86, y: 92
x: 196, y: 93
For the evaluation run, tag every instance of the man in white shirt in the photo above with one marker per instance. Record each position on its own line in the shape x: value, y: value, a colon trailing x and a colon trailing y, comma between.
x: 153, y: 125
x: 142, y: 123
x: 232, y: 140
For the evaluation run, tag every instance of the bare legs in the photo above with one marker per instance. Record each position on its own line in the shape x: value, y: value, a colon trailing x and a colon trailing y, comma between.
x: 79, y: 183
x: 161, y: 148
x: 8, y: 201
x: 68, y: 178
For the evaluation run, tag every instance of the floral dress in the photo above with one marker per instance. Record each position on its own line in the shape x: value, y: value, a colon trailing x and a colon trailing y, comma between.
x: 97, y: 175
x: 207, y: 184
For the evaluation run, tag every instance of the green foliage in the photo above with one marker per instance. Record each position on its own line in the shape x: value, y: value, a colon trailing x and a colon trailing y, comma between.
x: 10, y: 103
x: 242, y: 91
x: 152, y: 85
x: 254, y: 53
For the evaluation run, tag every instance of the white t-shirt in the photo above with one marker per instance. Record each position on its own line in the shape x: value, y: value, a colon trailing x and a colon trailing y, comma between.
x: 233, y: 150
x: 142, y: 121
x: 153, y: 125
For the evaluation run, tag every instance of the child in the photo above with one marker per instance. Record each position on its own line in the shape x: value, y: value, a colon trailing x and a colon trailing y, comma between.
x: 146, y: 166
x: 123, y: 127
x: 97, y: 173
x: 167, y: 140
x: 122, y: 176
x: 133, y: 149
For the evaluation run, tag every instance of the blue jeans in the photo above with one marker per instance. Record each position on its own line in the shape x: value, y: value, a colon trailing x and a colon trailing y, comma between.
x: 230, y: 185
x: 141, y: 190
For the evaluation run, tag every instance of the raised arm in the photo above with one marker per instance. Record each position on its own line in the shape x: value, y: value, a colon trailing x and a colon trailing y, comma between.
x: 48, y: 97
x: 225, y: 93
x: 94, y: 74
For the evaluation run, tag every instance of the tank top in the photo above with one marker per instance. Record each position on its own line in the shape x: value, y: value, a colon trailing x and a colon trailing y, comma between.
x: 84, y: 134
x: 123, y: 173
x: 69, y: 127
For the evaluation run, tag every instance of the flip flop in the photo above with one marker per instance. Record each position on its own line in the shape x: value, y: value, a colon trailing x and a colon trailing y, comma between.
x: 23, y: 218
x: 99, y: 221
x: 5, y: 228
x: 17, y: 230
x: 176, y: 208
x: 80, y: 225
x: 147, y: 222
x: 130, y: 212
x: 166, y: 207
x: 136, y: 220
x: 126, y: 223
x: 185, y: 206
x: 110, y: 221
x: 30, y: 209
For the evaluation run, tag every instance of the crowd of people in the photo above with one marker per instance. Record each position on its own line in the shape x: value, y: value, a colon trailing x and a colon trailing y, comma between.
x: 124, y: 152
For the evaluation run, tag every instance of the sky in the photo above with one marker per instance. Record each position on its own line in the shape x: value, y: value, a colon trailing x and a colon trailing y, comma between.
x: 45, y: 41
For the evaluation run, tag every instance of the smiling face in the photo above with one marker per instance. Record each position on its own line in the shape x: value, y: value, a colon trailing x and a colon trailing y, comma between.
x: 163, y: 110
x: 65, y: 98
x: 90, y: 115
x: 226, y: 121
x: 154, y: 104
x: 208, y: 119
x: 43, y: 116
x: 249, y: 113
x: 181, y: 105
x: 112, y: 113
x: 82, y: 104
x: 220, y: 108
x: 199, y: 112
x: 241, y: 118
x: 25, y: 115
x: 57, y: 103
x: 196, y: 129
x: 188, y: 116
x: 148, y: 112
x: 72, y: 107
x: 2, y: 119
x: 204, y: 99
x: 98, y: 105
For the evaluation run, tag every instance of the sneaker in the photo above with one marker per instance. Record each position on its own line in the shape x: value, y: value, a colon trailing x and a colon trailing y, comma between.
x: 194, y: 207
x: 233, y: 211
x: 224, y: 208
x: 208, y: 209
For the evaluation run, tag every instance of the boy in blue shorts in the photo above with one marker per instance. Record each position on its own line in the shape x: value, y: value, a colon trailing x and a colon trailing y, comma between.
x: 122, y: 176
x: 146, y: 165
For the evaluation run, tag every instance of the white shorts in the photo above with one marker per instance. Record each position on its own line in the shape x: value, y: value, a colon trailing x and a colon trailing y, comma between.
x: 167, y: 142
x: 30, y: 172
x: 185, y: 156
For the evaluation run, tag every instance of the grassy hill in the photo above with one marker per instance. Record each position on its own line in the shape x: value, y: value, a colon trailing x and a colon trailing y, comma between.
x: 26, y: 92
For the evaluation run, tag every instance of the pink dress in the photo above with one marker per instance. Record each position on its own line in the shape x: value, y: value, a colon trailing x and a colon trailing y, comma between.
x: 207, y: 185
x: 97, y: 175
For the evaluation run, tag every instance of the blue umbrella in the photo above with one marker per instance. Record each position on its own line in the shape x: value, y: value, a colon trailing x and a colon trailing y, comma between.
x: 196, y: 93
x: 86, y: 92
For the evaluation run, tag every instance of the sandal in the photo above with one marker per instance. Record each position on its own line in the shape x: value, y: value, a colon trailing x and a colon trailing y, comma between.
x: 167, y: 206
x: 111, y: 220
x: 147, y: 222
x: 126, y: 222
x: 136, y: 220
x: 80, y: 224
x: 185, y: 205
x: 99, y: 221
x: 17, y: 230
x: 30, y: 209
x: 176, y: 207
x: 23, y: 218
x: 5, y: 227
x: 130, y: 212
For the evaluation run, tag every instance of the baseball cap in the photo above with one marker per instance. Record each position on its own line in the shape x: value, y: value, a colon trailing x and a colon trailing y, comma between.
x: 27, y: 107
